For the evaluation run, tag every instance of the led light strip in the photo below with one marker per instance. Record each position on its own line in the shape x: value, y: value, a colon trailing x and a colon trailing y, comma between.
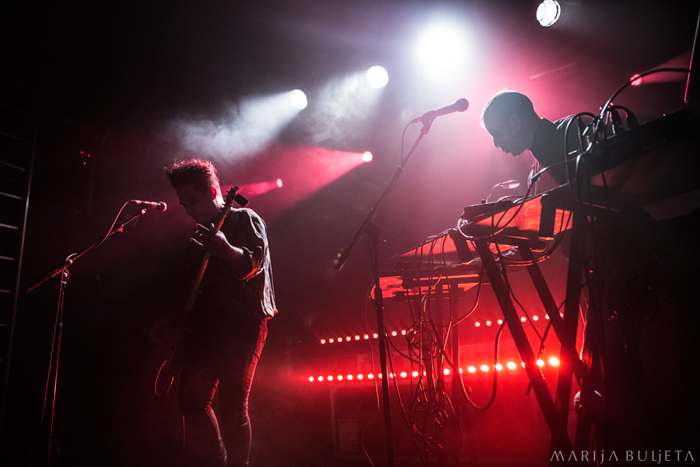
x: 357, y: 337
x: 553, y: 361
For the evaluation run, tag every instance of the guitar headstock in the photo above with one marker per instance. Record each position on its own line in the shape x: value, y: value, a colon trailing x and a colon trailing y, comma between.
x: 231, y: 196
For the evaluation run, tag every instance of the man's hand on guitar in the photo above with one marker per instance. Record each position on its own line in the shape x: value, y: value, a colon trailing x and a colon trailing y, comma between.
x: 217, y: 244
x: 214, y: 243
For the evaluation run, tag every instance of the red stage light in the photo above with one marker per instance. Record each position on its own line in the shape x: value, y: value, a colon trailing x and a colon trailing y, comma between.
x: 370, y: 376
x: 523, y: 319
x: 331, y: 340
x: 540, y: 362
x: 311, y: 379
x: 323, y: 341
x: 484, y: 368
x: 446, y: 371
x: 511, y: 365
x: 499, y: 367
x: 360, y: 377
x: 366, y: 336
x: 488, y: 323
x: 367, y: 156
x: 404, y: 374
x: 357, y: 338
x: 350, y: 377
x: 477, y: 324
x: 471, y: 369
x: 554, y: 361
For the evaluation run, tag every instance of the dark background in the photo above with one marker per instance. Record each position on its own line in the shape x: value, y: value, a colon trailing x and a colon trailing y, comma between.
x: 112, y: 77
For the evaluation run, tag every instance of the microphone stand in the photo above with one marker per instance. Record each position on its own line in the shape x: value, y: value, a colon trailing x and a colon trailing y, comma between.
x: 58, y: 326
x: 373, y: 236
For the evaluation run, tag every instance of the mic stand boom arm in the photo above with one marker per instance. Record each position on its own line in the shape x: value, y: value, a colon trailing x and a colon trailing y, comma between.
x: 373, y: 234
x: 56, y: 270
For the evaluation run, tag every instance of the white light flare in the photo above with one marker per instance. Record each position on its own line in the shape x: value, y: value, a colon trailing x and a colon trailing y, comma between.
x: 443, y: 50
x: 548, y: 12
x: 377, y: 77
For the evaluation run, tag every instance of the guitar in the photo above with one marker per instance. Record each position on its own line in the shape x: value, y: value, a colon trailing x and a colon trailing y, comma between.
x: 172, y: 366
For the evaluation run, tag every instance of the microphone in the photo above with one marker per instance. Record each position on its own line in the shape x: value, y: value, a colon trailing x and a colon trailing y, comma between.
x: 460, y: 106
x: 161, y: 206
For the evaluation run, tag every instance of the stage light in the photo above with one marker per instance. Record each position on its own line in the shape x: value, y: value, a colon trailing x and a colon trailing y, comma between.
x: 523, y: 319
x: 311, y: 379
x: 499, y: 367
x: 477, y: 324
x: 340, y: 377
x: 500, y: 321
x: 323, y: 341
x: 484, y: 368
x: 540, y: 362
x: 554, y: 361
x: 349, y: 377
x: 548, y: 12
x: 366, y: 336
x: 471, y: 369
x: 442, y: 49
x: 403, y: 332
x: 357, y: 338
x: 535, y: 318
x: 330, y: 378
x: 394, y: 333
x: 636, y: 80
x: 404, y: 374
x: 460, y: 371
x: 360, y: 377
x: 546, y: 316
x: 348, y: 339
x: 279, y: 183
x: 375, y: 335
x: 370, y: 376
x: 377, y: 77
x: 488, y: 323
x: 320, y: 378
x: 446, y: 371
x: 331, y: 340
x: 298, y: 99
x: 414, y: 374
x: 511, y: 365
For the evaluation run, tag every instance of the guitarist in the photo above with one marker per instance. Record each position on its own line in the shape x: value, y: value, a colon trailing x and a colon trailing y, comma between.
x: 228, y: 323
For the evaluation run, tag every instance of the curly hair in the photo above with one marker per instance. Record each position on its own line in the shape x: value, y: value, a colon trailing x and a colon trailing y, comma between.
x: 200, y: 173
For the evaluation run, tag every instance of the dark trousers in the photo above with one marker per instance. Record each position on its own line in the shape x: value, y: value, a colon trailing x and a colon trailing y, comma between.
x: 220, y: 360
